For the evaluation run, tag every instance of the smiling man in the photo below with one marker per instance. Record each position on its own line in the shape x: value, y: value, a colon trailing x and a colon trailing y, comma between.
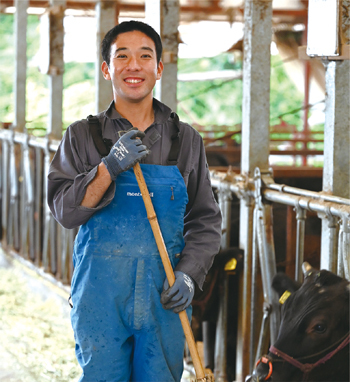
x: 123, y: 309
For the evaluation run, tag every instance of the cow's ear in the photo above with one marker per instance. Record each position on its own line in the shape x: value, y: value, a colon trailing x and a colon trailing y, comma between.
x: 281, y: 283
x: 308, y: 270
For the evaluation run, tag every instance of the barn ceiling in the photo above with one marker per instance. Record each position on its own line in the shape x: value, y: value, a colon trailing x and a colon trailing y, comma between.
x: 284, y: 11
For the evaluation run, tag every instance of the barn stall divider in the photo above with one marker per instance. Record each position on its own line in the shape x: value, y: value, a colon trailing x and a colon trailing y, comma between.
x: 28, y: 229
x: 30, y: 233
x: 259, y: 193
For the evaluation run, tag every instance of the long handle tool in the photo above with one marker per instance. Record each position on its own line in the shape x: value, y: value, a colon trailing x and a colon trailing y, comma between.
x: 152, y: 217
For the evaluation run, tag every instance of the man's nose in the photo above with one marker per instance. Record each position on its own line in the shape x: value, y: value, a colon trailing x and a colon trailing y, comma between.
x: 134, y: 64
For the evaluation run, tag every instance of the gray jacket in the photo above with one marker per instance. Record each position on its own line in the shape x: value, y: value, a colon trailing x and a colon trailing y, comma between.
x: 75, y: 163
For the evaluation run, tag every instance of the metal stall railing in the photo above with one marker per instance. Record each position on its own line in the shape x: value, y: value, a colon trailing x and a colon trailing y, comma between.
x: 28, y: 228
x: 262, y: 192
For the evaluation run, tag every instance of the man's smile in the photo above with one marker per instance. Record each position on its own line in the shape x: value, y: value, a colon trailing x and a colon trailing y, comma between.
x: 133, y: 80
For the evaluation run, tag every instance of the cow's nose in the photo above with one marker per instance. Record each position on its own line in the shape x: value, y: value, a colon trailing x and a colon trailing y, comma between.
x: 263, y: 370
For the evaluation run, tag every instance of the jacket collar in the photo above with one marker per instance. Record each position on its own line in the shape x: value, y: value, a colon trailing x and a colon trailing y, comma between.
x: 161, y: 112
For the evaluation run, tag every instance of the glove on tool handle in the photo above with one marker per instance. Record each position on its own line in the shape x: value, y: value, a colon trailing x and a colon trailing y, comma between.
x: 152, y: 217
x: 125, y: 152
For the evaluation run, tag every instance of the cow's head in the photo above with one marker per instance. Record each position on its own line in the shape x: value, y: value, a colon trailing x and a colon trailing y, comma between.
x: 314, y: 322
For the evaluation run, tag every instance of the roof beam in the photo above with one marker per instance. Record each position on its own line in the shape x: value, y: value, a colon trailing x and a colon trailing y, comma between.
x: 198, y: 11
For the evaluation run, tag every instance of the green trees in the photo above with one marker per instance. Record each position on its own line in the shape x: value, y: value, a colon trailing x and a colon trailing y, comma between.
x: 7, y: 56
x: 209, y: 102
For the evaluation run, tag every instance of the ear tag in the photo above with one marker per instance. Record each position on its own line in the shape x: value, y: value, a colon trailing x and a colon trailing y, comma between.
x: 284, y: 297
x: 231, y: 265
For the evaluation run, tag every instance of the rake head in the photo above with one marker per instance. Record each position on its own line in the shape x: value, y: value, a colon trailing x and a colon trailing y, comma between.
x: 209, y: 377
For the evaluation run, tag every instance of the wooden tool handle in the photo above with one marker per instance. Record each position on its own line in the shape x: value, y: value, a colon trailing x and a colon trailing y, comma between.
x: 152, y: 217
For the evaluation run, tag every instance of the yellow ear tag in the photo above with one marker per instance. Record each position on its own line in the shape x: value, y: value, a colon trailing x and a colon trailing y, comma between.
x: 284, y: 297
x: 231, y: 265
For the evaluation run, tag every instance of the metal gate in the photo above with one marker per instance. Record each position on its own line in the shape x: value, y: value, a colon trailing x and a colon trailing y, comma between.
x: 27, y: 225
x: 259, y: 193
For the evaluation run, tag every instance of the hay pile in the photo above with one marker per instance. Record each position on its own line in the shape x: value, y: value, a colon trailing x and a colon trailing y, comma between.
x: 35, y: 327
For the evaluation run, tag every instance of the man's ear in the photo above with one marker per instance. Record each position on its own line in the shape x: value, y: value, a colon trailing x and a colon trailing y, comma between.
x: 160, y: 70
x: 105, y: 71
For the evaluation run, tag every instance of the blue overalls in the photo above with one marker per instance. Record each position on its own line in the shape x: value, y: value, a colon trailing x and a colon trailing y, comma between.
x: 121, y: 330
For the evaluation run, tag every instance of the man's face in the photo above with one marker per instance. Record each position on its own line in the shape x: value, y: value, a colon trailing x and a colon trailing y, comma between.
x: 133, y: 67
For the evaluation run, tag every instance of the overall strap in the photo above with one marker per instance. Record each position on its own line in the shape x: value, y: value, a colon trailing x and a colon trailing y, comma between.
x: 103, y: 146
x: 175, y: 141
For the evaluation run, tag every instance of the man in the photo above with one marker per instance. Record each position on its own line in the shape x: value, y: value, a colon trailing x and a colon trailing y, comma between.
x: 122, y: 316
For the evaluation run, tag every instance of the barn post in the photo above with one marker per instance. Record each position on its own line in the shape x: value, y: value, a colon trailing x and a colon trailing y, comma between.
x: 254, y: 294
x: 220, y: 354
x: 55, y: 67
x: 15, y: 208
x: 106, y: 19
x: 20, y: 64
x: 5, y: 190
x: 336, y: 169
x: 343, y: 266
x: 265, y: 240
x: 255, y: 146
x: 300, y: 238
x: 163, y: 16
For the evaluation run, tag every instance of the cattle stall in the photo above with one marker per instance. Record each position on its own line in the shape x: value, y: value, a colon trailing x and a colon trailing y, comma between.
x: 30, y: 233
x: 28, y: 228
x: 260, y: 192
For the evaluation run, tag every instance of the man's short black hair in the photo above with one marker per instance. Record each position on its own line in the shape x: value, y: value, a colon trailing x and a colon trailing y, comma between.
x: 130, y: 26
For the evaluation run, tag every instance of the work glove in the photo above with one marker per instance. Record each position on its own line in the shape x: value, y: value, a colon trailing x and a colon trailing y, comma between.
x: 125, y: 153
x: 180, y: 295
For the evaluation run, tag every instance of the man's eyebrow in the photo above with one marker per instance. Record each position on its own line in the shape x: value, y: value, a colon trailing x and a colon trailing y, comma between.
x: 147, y: 48
x: 142, y: 48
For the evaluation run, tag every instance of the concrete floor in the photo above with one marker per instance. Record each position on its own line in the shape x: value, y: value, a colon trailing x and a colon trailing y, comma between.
x: 34, y: 320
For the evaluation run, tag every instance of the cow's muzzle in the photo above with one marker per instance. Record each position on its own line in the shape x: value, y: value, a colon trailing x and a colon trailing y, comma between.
x: 262, y: 371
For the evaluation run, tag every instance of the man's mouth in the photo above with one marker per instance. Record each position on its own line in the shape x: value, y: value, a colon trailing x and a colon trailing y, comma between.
x: 133, y: 80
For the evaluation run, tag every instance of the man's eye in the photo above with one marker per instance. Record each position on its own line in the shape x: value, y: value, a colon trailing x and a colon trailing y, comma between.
x: 121, y: 56
x: 146, y: 56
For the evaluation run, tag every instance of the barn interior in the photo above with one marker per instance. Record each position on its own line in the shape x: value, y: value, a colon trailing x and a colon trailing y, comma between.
x: 283, y: 189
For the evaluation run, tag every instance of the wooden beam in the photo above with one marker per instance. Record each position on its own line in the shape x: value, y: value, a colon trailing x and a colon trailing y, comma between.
x: 199, y: 11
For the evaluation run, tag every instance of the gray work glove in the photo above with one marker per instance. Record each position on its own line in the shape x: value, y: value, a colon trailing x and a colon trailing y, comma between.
x: 125, y: 153
x: 180, y: 295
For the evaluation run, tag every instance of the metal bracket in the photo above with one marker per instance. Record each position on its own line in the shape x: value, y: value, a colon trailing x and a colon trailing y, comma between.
x: 261, y: 178
x: 332, y: 220
x: 345, y: 224
x: 344, y: 49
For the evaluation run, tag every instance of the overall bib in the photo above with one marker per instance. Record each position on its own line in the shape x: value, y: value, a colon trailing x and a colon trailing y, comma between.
x: 121, y: 330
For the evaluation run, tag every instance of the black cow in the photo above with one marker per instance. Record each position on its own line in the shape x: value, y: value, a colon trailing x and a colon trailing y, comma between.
x: 313, y: 340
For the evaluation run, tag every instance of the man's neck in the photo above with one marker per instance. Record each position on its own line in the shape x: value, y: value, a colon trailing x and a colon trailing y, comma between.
x: 140, y: 115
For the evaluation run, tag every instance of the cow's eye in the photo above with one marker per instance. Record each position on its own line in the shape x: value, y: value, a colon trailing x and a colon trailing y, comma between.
x: 320, y: 328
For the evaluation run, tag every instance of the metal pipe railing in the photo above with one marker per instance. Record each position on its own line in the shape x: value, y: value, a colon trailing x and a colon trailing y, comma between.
x: 310, y: 194
x: 335, y: 210
x: 22, y: 138
x: 292, y: 196
x: 27, y: 225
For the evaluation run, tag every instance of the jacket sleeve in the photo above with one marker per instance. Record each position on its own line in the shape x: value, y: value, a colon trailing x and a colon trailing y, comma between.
x: 69, y: 174
x: 202, y: 223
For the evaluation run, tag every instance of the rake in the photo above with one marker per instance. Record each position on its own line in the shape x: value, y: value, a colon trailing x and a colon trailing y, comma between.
x: 152, y: 218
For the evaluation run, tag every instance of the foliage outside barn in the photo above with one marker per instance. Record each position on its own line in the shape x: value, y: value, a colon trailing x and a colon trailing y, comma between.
x: 203, y: 103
